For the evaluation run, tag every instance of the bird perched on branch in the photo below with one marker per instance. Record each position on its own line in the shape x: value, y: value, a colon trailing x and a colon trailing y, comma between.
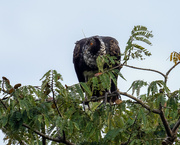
x: 85, y: 54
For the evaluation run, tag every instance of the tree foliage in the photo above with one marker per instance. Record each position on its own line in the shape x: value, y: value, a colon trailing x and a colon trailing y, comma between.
x: 175, y: 57
x: 55, y: 114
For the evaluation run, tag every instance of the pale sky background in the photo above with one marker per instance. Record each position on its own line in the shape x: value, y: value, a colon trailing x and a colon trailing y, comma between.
x: 39, y: 35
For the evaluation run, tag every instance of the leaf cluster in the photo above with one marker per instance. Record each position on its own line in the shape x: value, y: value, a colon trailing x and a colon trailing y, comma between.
x: 108, y: 71
x: 103, y: 124
x: 134, y: 50
x: 175, y: 57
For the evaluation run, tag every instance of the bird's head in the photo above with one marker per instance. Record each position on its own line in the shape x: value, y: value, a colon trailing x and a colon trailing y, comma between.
x: 94, y: 45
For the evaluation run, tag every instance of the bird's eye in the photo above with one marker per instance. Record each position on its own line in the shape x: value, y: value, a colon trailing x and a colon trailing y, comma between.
x: 91, y: 43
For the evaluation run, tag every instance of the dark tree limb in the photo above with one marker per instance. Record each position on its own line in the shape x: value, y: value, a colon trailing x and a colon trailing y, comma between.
x: 43, y: 131
x: 165, y: 123
x: 157, y: 111
x: 175, y: 128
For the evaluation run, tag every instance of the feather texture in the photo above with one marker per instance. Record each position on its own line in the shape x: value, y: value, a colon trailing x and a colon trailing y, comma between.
x: 86, y: 52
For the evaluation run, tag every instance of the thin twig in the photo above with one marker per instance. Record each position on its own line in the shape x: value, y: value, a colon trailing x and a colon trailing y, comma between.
x: 146, y: 70
x: 54, y: 101
x: 168, y: 72
x: 3, y: 103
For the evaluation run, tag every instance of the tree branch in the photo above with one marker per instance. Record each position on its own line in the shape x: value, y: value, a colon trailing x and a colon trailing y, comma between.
x: 54, y: 101
x: 59, y: 139
x: 165, y: 123
x: 94, y: 99
x: 168, y: 72
x: 127, y: 95
x: 43, y: 131
x: 140, y: 102
x: 175, y: 128
x: 3, y: 104
x: 146, y: 70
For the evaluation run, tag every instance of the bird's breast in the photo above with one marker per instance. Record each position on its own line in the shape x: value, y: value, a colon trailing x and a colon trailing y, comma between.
x: 90, y: 59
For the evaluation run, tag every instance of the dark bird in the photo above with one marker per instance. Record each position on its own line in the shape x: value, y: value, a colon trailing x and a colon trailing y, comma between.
x: 85, y: 54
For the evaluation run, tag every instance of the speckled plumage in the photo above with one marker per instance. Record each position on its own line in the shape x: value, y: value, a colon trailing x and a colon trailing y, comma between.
x: 87, y: 50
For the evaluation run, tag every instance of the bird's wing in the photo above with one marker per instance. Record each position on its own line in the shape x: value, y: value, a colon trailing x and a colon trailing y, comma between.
x: 78, y: 60
x: 112, y: 47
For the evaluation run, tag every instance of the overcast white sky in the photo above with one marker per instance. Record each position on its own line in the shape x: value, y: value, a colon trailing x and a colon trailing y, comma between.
x: 38, y: 35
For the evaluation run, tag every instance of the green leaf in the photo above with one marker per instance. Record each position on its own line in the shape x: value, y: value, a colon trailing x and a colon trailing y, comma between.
x: 95, y: 105
x: 139, y: 28
x: 137, y: 85
x: 47, y: 121
x: 143, y: 40
x: 153, y: 87
x: 47, y: 74
x: 116, y: 71
x: 4, y: 120
x: 18, y: 116
x: 142, y: 33
x: 173, y: 103
x: 160, y: 100
x: 112, y: 77
x: 142, y: 115
x: 120, y: 121
x: 112, y: 134
x: 138, y: 46
x: 71, y: 127
x: 139, y: 33
x: 57, y: 76
x: 112, y: 59
x: 143, y: 97
x: 76, y: 125
x: 15, y: 120
x: 86, y: 88
x: 100, y: 63
x: 92, y: 132
x: 105, y: 81
x: 79, y: 90
x: 95, y: 83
